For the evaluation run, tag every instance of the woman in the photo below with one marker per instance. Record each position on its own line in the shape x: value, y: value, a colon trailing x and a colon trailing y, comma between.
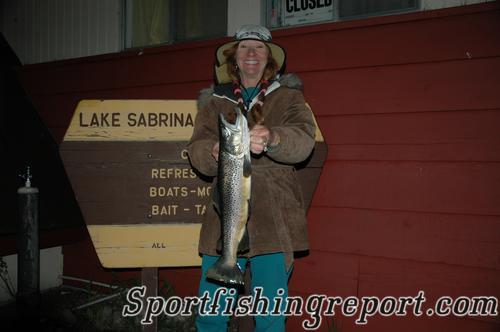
x: 282, y: 129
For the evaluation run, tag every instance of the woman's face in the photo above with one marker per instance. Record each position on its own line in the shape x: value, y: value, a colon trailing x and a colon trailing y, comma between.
x: 251, y: 57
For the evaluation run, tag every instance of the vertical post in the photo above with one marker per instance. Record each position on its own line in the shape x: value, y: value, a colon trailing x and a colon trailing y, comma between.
x: 28, y: 251
x: 149, y: 276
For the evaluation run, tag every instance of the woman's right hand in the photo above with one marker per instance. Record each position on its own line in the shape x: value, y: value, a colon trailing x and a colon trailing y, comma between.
x: 215, y: 151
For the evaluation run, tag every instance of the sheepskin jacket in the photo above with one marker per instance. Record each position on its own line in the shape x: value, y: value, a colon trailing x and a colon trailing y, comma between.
x: 277, y: 215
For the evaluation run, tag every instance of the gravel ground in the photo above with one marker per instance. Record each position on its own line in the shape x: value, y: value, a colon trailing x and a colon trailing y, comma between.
x: 58, y: 311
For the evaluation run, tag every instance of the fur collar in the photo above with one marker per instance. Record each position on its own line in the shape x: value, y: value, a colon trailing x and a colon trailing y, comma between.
x: 291, y: 81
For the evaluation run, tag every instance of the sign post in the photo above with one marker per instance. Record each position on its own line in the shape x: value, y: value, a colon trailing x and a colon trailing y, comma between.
x: 141, y: 200
x: 149, y: 278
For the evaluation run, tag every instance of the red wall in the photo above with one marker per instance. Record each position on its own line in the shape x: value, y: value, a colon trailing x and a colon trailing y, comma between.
x: 409, y: 198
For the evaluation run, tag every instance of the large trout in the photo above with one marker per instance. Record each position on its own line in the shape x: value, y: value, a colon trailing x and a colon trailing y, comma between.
x: 232, y: 197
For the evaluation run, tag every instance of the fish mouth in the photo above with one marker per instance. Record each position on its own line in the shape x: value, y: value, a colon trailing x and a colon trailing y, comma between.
x: 237, y: 125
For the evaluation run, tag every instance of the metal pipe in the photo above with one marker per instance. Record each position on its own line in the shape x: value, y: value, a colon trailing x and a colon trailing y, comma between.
x: 91, y: 282
x: 28, y: 250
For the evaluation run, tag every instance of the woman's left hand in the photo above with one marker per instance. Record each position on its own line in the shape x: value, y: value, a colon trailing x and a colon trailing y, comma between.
x: 259, y: 138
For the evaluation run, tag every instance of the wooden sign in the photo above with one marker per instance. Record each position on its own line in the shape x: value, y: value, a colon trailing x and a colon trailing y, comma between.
x: 141, y: 200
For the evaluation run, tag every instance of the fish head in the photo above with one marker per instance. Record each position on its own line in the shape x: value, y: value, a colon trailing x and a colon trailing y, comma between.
x: 234, y: 138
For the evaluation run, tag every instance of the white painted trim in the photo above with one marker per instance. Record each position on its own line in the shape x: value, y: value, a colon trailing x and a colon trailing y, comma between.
x: 240, y: 12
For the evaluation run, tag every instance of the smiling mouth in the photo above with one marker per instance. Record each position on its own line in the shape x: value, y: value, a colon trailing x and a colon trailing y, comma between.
x: 251, y: 62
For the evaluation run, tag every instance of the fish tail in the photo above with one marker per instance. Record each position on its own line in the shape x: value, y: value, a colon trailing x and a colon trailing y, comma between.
x: 225, y: 272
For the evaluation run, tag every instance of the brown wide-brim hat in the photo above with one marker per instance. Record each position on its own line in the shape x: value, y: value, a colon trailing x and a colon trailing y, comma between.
x: 245, y: 32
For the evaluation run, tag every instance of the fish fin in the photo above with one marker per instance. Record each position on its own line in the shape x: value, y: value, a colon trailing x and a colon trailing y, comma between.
x: 216, y: 200
x: 249, y: 210
x: 216, y: 203
x: 247, y: 165
x: 219, y: 245
x: 225, y: 273
x: 244, y: 245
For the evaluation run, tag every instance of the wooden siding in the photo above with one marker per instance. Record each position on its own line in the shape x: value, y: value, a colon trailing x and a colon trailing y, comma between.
x: 409, y: 198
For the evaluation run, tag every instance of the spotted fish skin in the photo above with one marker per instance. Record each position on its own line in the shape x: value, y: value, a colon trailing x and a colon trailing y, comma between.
x: 233, y: 187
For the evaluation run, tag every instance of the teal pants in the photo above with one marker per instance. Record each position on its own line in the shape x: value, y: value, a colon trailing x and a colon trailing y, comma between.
x: 268, y: 271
